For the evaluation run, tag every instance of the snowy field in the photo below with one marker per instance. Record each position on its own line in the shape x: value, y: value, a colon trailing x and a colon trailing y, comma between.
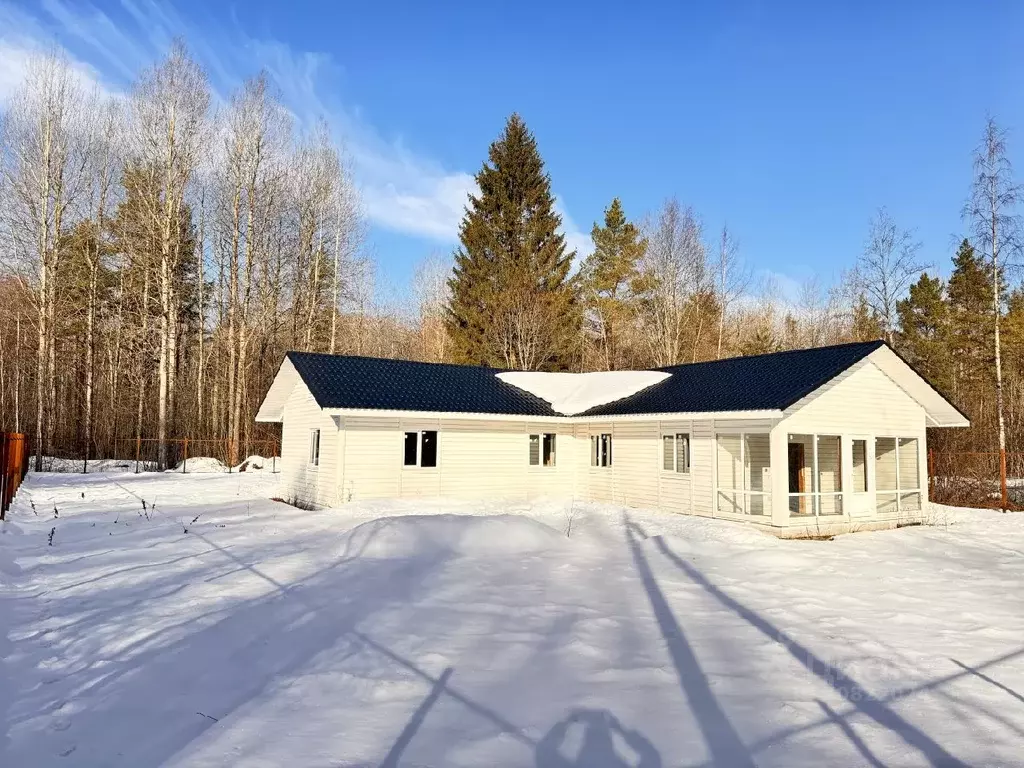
x: 188, y: 620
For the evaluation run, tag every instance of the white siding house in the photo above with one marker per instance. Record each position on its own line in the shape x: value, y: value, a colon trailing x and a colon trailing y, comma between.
x: 813, y: 441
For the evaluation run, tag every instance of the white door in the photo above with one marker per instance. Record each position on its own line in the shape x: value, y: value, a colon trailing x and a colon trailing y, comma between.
x: 860, y: 497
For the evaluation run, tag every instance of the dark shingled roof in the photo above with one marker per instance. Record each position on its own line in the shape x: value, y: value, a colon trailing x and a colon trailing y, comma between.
x: 762, y: 382
x: 341, y: 381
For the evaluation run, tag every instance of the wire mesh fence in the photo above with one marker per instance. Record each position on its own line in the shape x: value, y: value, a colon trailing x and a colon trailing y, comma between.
x: 990, y: 479
x: 197, y: 455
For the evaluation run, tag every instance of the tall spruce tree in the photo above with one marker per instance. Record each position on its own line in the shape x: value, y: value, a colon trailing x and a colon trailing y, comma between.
x: 513, y: 303
x: 971, y: 324
x: 924, y: 331
x: 607, y: 277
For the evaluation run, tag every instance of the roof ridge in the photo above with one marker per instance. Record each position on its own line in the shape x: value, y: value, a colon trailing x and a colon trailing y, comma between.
x: 873, y: 344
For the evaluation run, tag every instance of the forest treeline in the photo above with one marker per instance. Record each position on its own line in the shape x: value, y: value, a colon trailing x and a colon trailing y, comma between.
x: 158, y: 256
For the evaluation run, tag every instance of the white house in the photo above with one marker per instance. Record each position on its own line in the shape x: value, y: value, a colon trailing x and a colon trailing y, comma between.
x: 820, y: 440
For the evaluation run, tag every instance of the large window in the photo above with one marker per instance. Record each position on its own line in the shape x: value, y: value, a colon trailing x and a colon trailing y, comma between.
x: 542, y: 450
x: 675, y: 452
x: 860, y: 467
x: 420, y: 449
x: 601, y: 450
x: 897, y: 475
x: 744, y: 474
x: 815, y: 475
x: 314, y: 447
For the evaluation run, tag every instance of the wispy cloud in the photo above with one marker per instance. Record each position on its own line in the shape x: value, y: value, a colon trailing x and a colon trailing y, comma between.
x: 402, y: 190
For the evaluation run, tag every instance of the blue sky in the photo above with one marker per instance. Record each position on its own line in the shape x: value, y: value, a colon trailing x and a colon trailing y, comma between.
x: 790, y: 121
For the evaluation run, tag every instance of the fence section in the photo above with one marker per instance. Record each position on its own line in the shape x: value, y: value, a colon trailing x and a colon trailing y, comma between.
x: 992, y: 479
x: 200, y: 455
x: 13, y: 466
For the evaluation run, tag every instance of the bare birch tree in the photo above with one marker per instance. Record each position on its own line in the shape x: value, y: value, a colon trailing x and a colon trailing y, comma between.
x: 994, y: 218
x: 732, y: 279
x: 169, y: 106
x: 673, y: 273
x: 44, y: 168
x: 887, y: 267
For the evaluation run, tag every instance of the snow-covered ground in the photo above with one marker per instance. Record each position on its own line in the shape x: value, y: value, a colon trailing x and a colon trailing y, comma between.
x: 451, y: 634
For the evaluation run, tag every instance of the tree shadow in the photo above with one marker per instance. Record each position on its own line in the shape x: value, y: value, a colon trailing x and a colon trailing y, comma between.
x: 594, y: 738
x: 974, y: 672
x: 874, y: 708
x: 395, y: 753
x: 722, y: 740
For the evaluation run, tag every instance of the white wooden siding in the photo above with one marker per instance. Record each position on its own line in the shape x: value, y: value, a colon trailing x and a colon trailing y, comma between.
x: 861, y: 399
x: 302, y: 483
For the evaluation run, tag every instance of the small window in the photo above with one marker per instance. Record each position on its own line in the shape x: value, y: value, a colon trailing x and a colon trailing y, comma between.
x: 420, y: 449
x: 601, y: 450
x: 411, y: 452
x: 676, y: 452
x: 542, y: 450
x: 428, y: 452
x: 314, y: 447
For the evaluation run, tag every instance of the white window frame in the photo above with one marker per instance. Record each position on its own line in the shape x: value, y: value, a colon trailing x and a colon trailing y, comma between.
x: 418, y: 466
x: 601, y: 452
x: 899, y: 491
x: 815, y: 494
x: 676, y: 469
x: 313, y: 458
x: 745, y: 493
x: 541, y: 437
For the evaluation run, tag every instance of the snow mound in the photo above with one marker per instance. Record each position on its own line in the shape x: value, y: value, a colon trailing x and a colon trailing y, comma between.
x: 414, y: 535
x: 254, y: 462
x: 573, y: 393
x: 200, y: 464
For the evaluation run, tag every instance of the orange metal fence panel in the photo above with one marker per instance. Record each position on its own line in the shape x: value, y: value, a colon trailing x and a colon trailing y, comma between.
x: 13, y: 466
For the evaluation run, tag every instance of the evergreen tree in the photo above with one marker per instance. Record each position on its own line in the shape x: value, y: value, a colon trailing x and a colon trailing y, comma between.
x: 924, y: 331
x: 513, y: 304
x: 607, y: 277
x: 865, y: 325
x: 970, y: 315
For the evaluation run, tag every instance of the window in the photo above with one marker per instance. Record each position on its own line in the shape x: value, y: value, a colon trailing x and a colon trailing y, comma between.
x: 743, y: 463
x: 897, y: 475
x: 815, y: 475
x: 314, y: 447
x: 860, y: 466
x: 676, y: 452
x: 601, y: 450
x: 420, y: 449
x: 411, y: 448
x: 542, y: 447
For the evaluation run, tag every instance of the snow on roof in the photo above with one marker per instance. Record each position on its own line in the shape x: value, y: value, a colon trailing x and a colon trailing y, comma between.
x: 573, y: 393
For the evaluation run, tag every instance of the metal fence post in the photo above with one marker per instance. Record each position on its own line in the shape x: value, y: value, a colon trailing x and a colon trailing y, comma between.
x: 138, y: 449
x: 185, y: 462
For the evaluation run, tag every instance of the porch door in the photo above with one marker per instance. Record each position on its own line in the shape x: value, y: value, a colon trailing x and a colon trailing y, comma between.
x: 860, y: 494
x: 796, y: 476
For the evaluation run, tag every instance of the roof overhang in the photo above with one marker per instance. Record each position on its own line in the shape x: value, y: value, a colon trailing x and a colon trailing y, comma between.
x: 272, y: 408
x: 678, y: 416
x: 939, y: 411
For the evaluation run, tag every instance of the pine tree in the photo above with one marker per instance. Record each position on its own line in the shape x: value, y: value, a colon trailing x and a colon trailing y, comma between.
x: 607, y: 276
x: 513, y: 303
x: 924, y: 331
x: 970, y: 314
x: 865, y: 325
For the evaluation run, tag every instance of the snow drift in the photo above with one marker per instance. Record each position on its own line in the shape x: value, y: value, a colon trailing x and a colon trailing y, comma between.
x: 573, y: 393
